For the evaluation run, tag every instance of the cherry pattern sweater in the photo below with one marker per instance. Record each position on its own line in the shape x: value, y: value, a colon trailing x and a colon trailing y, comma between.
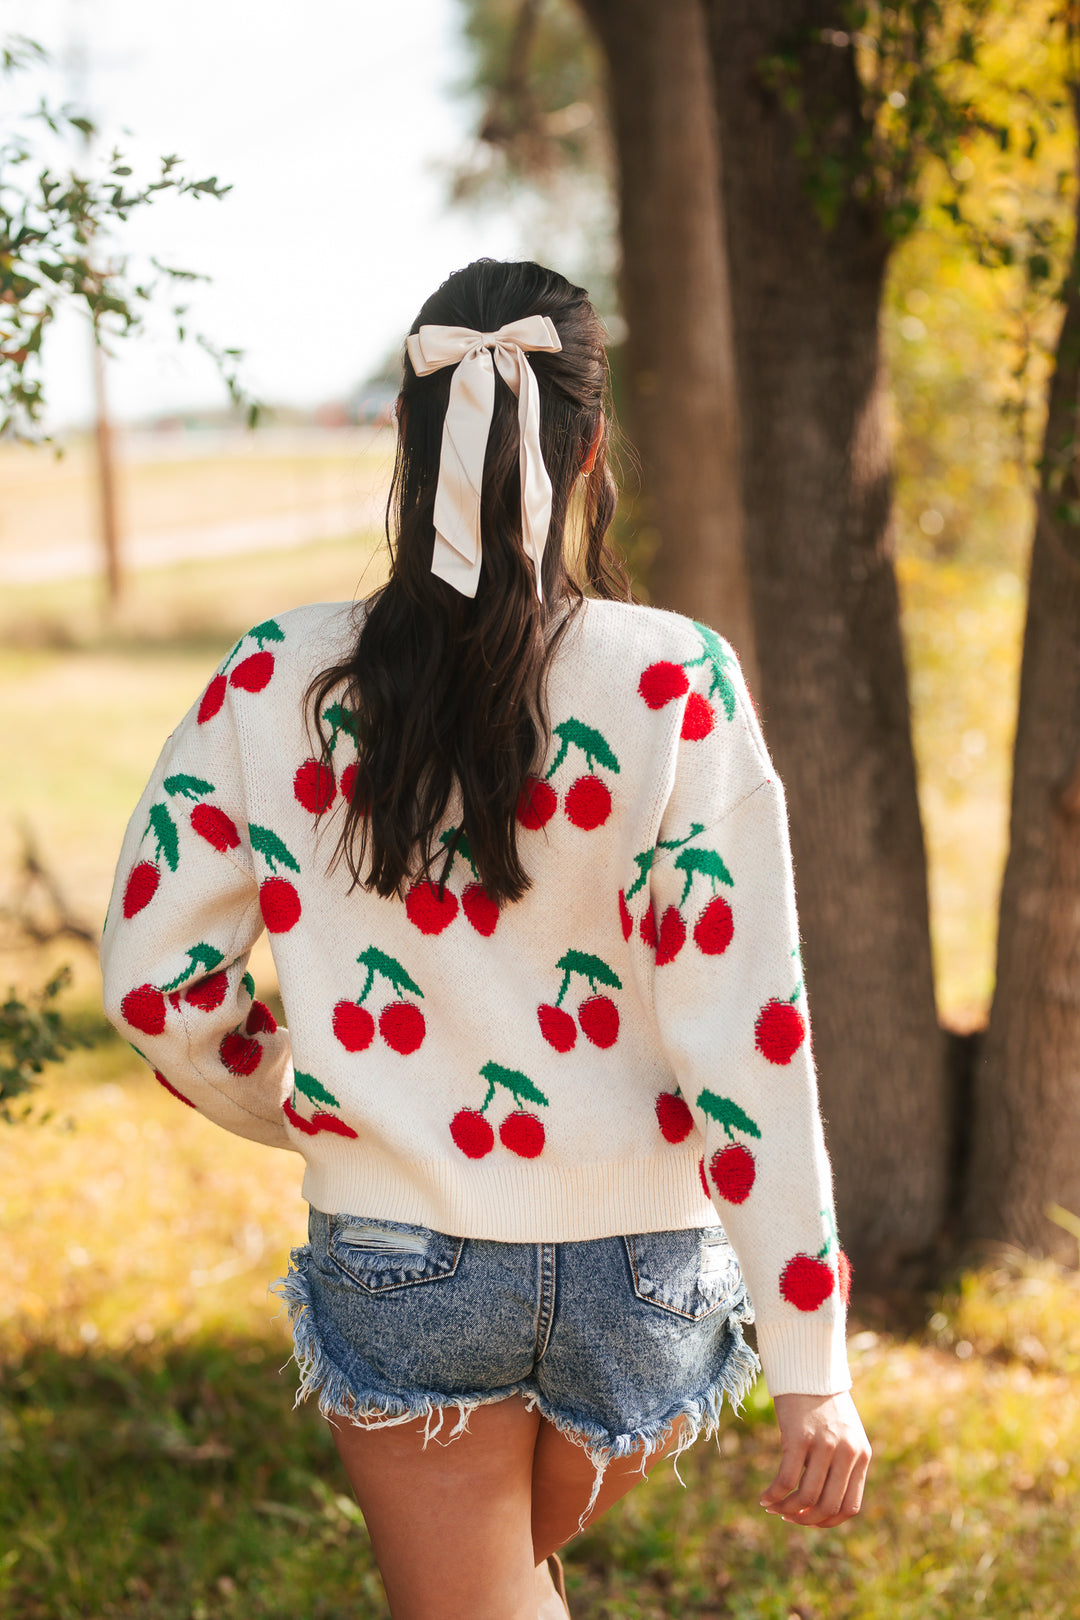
x: 625, y: 1049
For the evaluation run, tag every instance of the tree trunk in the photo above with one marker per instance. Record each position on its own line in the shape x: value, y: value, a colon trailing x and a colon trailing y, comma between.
x: 816, y: 492
x: 680, y: 393
x: 1026, y: 1152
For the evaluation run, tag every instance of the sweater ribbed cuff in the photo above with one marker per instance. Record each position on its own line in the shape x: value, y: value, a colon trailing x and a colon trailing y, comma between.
x: 804, y: 1358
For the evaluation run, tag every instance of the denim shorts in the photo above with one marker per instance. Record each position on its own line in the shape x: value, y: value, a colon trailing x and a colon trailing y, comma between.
x: 613, y: 1339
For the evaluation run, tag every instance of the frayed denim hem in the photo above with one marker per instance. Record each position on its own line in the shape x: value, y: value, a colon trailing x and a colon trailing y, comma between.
x: 319, y: 1376
x: 702, y: 1419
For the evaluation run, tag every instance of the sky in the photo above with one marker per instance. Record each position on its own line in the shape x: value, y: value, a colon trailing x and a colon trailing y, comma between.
x: 333, y: 120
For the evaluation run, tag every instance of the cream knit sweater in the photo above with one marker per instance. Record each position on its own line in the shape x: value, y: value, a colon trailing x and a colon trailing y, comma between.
x: 581, y: 1063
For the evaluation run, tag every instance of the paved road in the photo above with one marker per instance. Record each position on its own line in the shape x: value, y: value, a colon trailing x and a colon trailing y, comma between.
x: 282, y: 531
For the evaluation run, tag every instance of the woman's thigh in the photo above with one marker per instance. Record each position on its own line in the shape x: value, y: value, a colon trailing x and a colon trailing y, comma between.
x: 450, y: 1524
x: 562, y: 1485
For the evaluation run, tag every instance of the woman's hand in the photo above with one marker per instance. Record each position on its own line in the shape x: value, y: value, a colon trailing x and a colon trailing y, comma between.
x: 824, y: 1456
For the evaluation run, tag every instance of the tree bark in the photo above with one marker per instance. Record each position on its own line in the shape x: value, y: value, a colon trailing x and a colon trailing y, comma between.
x: 1026, y: 1152
x: 680, y: 387
x: 817, y: 494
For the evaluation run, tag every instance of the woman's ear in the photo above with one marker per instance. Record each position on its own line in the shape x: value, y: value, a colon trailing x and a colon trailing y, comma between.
x: 588, y: 461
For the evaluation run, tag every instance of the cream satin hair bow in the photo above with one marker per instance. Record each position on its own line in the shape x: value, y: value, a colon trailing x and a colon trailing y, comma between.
x: 465, y: 435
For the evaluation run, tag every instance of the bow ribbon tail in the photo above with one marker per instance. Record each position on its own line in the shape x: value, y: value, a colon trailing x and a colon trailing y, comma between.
x: 457, y: 556
x: 520, y: 378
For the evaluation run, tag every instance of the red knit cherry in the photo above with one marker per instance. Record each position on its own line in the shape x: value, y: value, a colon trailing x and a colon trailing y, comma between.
x: 253, y: 673
x: 647, y: 929
x: 472, y: 1133
x: 699, y: 717
x: 523, y: 1134
x: 144, y: 1008
x: 353, y: 1026
x: 625, y: 918
x: 402, y: 1026
x: 260, y: 1020
x: 599, y: 1020
x: 141, y: 887
x: 429, y: 911
x: 215, y: 826
x: 714, y: 928
x: 701, y: 1174
x: 280, y: 905
x: 480, y: 908
x: 537, y: 803
x: 779, y: 1031
x: 314, y: 786
x: 672, y: 936
x: 673, y: 1117
x: 662, y: 682
x: 161, y: 1080
x: 843, y: 1271
x: 348, y: 782
x: 733, y: 1171
x: 588, y: 803
x: 806, y: 1282
x: 239, y: 1054
x: 557, y: 1027
x: 212, y: 699
x: 207, y: 994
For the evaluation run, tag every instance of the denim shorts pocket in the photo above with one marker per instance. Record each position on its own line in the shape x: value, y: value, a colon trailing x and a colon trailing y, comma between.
x: 381, y: 1255
x: 690, y: 1273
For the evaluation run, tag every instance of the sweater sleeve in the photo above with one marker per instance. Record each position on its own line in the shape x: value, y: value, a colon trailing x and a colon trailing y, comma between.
x: 732, y: 1010
x: 183, y: 917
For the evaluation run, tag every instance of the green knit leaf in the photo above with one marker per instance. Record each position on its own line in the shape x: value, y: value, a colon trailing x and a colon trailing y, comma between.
x: 720, y: 661
x: 199, y: 956
x: 269, y: 845
x: 340, y: 719
x: 726, y: 1113
x: 591, y: 743
x: 518, y: 1084
x: 249, y: 985
x: 191, y: 787
x: 163, y: 828
x: 705, y: 861
x: 592, y: 967
x: 377, y: 961
x: 312, y: 1088
x: 643, y: 862
x: 269, y: 630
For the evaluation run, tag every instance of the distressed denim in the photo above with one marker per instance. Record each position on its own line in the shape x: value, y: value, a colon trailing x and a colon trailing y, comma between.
x: 613, y: 1340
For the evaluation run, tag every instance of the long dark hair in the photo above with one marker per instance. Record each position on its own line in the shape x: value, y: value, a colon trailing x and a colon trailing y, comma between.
x: 444, y: 691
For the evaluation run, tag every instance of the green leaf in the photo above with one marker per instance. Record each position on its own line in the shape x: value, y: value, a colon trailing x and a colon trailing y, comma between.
x: 591, y: 966
x: 515, y: 1082
x: 726, y: 1113
x: 201, y: 955
x: 591, y: 743
x: 249, y: 985
x: 377, y: 961
x: 192, y: 787
x: 705, y: 861
x: 269, y: 630
x: 312, y: 1088
x: 340, y: 719
x: 163, y: 828
x: 269, y: 845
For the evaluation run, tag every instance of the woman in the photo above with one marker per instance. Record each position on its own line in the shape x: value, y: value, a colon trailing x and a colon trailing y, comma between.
x: 524, y: 864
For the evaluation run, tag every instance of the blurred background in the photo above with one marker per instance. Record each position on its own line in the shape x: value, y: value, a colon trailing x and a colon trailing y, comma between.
x: 833, y: 248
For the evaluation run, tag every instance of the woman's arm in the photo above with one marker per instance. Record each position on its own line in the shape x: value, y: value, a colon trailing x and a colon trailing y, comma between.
x: 182, y: 920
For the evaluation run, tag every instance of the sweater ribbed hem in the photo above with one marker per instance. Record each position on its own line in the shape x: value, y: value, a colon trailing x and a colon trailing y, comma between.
x: 525, y: 1202
x: 804, y: 1357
